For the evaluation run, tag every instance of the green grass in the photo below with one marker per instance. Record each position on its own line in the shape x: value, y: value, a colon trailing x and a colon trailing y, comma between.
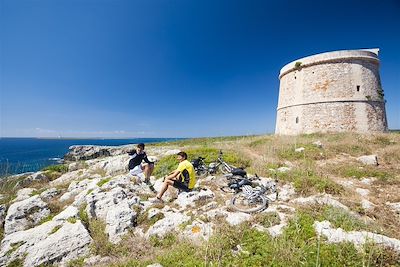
x: 359, y: 172
x: 104, y: 181
x: 55, y: 229
x: 62, y: 168
x: 310, y: 152
x: 267, y: 219
x: 306, y: 182
x: 169, y: 163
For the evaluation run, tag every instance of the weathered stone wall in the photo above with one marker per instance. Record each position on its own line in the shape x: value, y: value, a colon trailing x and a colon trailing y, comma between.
x: 335, y: 91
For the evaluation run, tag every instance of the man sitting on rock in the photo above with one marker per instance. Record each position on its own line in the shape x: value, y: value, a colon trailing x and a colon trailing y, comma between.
x: 135, y: 164
x: 183, y: 178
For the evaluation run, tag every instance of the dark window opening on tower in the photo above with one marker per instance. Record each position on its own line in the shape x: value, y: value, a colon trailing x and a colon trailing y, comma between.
x: 358, y: 88
x: 297, y: 119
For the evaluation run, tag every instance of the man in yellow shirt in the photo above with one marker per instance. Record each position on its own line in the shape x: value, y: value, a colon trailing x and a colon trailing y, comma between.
x: 183, y: 178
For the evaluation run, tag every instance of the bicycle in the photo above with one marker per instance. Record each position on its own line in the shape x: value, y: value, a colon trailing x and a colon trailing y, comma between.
x: 220, y: 165
x: 247, y: 198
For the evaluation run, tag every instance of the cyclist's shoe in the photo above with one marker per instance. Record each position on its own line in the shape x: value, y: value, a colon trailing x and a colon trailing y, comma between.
x: 156, y: 200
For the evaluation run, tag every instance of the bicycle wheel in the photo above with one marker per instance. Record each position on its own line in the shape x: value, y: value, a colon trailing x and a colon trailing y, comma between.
x: 242, y: 203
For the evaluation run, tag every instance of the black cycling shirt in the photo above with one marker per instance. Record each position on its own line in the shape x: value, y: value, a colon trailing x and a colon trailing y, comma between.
x: 136, y: 159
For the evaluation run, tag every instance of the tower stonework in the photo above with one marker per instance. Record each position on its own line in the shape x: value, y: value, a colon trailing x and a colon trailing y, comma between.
x: 332, y: 92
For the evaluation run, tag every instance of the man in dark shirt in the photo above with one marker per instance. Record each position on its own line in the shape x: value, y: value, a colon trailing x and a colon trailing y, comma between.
x: 135, y: 164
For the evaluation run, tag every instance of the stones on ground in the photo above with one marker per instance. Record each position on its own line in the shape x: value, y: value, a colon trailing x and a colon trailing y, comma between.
x: 186, y: 199
x: 394, y: 206
x: 154, y: 265
x: 358, y: 238
x: 326, y: 199
x: 96, y: 260
x: 366, y: 204
x: 368, y: 181
x: 24, y: 214
x: 300, y: 149
x: 169, y: 223
x: 283, y: 169
x: 286, y: 192
x: 317, y: 144
x: 363, y: 192
x: 369, y: 160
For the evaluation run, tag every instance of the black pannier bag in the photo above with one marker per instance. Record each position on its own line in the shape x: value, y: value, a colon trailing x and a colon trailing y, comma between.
x: 239, y: 171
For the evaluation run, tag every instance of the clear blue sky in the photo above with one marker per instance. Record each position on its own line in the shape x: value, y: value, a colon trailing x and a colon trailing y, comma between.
x: 95, y: 68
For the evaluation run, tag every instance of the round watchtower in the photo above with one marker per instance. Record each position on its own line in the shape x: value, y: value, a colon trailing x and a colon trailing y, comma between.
x: 332, y: 92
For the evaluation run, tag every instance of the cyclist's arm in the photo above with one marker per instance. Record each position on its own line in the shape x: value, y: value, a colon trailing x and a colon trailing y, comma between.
x: 173, y: 174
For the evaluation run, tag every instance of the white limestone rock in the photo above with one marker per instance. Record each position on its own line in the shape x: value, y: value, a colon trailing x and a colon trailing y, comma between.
x: 152, y: 212
x: 300, y: 149
x: 35, y: 177
x: 119, y: 220
x: 49, y: 193
x: 394, y: 206
x: 67, y: 213
x: 369, y: 160
x: 186, y: 199
x: 113, y: 165
x: 358, y: 238
x: 71, y: 241
x: 363, y: 192
x: 169, y: 223
x: 198, y: 231
x: 286, y: 192
x: 25, y: 214
x: 318, y: 144
x: 99, y: 203
x: 17, y: 244
x: 74, y: 175
x: 283, y: 169
x: 325, y: 199
x: 3, y: 212
x: 235, y: 218
x: 172, y: 152
x: 23, y: 194
x: 74, y: 166
x: 366, y: 204
x: 96, y: 260
x: 75, y: 188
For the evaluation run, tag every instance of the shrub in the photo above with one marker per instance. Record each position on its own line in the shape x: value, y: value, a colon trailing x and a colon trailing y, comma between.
x: 56, y: 168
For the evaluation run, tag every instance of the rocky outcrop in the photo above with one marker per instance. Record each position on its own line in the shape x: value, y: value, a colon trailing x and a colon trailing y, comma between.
x: 358, y: 238
x: 25, y: 214
x: 50, y: 243
x: 87, y: 152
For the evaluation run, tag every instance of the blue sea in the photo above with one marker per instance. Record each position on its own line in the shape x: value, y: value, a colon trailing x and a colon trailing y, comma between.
x: 18, y: 155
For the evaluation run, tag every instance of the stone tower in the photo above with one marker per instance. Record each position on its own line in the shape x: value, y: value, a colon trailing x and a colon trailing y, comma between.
x: 332, y: 92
